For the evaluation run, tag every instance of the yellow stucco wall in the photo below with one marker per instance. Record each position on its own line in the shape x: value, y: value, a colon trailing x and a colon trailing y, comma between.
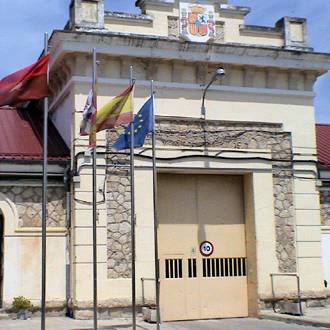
x: 159, y: 27
x: 22, y: 260
x: 221, y: 105
x: 259, y: 87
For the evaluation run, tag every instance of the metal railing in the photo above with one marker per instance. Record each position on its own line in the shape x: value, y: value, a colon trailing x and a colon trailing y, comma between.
x: 298, y: 289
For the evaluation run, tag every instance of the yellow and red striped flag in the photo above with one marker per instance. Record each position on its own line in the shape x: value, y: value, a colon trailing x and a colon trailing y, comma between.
x: 118, y: 111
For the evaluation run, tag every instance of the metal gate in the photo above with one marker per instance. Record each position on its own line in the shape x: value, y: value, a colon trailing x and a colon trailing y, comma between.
x: 196, y: 284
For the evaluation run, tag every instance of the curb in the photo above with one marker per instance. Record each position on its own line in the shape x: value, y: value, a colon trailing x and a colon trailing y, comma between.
x: 294, y: 319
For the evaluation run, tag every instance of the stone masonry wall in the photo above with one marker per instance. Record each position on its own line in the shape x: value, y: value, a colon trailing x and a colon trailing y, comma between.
x: 285, y: 224
x: 184, y: 133
x: 119, y: 224
x: 118, y: 212
x: 325, y: 207
x: 28, y: 201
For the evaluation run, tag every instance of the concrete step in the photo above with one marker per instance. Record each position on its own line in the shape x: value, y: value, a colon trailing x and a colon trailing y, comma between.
x: 4, y: 315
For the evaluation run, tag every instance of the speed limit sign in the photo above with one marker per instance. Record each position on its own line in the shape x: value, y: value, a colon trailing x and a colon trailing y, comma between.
x: 206, y: 248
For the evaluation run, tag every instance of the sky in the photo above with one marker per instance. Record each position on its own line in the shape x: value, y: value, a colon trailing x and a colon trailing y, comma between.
x: 23, y: 22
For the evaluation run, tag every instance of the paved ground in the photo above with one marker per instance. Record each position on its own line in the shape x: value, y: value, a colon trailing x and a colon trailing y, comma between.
x: 313, y: 317
x: 122, y: 324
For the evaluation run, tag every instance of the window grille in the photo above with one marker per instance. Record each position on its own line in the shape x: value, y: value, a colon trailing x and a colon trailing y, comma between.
x: 173, y: 268
x: 224, y: 267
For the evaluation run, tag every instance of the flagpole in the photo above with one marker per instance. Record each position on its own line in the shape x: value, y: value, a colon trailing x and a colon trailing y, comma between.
x: 132, y: 211
x: 44, y: 201
x: 154, y: 173
x: 94, y: 204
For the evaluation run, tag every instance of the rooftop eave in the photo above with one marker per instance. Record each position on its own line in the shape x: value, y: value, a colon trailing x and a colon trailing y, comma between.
x: 30, y: 168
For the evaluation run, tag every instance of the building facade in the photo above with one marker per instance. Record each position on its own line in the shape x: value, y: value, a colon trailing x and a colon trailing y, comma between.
x: 244, y: 179
x: 323, y: 148
x: 20, y: 209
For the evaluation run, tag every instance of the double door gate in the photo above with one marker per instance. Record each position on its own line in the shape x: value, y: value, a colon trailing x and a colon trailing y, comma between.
x: 198, y: 284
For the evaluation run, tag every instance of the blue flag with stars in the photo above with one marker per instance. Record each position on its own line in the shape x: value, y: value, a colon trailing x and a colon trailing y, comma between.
x: 143, y: 124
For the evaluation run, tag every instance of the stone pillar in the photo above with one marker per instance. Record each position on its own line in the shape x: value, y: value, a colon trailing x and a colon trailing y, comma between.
x: 249, y: 74
x: 87, y: 14
x: 295, y: 32
x: 265, y: 235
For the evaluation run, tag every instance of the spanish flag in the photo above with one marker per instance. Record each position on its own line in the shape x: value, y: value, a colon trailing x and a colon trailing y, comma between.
x: 118, y: 111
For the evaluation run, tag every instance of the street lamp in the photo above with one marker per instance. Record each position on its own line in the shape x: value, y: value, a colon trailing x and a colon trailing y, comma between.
x: 220, y: 72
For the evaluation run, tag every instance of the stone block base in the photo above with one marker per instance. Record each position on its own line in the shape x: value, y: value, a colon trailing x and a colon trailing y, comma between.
x: 53, y: 309
x: 103, y: 313
x: 292, y: 308
x: 309, y: 302
x: 149, y: 314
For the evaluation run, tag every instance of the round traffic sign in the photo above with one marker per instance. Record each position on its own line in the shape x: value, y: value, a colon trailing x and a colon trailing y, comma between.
x: 206, y: 248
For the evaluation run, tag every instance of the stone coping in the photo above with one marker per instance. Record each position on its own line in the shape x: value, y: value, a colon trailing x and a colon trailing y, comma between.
x: 234, y: 10
x: 128, y: 17
x: 263, y: 30
x: 140, y: 3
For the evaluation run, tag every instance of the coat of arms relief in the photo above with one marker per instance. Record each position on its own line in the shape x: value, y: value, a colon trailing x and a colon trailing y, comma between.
x: 197, y: 22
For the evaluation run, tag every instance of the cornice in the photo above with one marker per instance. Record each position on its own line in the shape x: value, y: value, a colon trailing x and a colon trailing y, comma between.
x: 121, y: 44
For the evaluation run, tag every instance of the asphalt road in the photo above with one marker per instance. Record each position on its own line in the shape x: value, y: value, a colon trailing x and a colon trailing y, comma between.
x: 120, y: 324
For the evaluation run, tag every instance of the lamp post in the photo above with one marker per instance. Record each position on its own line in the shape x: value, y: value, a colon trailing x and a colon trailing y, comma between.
x: 220, y: 72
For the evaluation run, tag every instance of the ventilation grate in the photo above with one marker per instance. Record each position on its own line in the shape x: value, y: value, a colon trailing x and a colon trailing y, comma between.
x: 192, y: 268
x: 173, y: 268
x: 224, y: 267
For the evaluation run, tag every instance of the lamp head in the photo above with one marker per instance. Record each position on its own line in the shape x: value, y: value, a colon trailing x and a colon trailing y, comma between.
x: 221, y: 72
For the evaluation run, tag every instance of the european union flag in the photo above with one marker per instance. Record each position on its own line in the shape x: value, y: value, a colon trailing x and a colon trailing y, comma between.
x: 143, y: 124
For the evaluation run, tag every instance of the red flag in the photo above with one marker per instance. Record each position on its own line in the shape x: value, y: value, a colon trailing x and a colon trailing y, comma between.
x: 26, y: 84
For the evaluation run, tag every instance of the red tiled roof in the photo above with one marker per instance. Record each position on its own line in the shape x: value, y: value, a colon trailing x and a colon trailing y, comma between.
x: 21, y: 135
x: 323, y: 144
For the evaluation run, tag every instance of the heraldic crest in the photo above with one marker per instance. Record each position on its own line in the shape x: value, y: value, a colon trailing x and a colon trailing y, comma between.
x: 197, y: 22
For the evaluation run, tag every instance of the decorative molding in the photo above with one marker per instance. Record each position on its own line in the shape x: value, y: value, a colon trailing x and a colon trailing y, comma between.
x: 220, y: 32
x: 185, y: 86
x: 173, y: 27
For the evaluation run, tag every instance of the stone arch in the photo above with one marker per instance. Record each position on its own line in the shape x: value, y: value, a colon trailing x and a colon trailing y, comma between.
x: 10, y: 273
x: 10, y: 215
